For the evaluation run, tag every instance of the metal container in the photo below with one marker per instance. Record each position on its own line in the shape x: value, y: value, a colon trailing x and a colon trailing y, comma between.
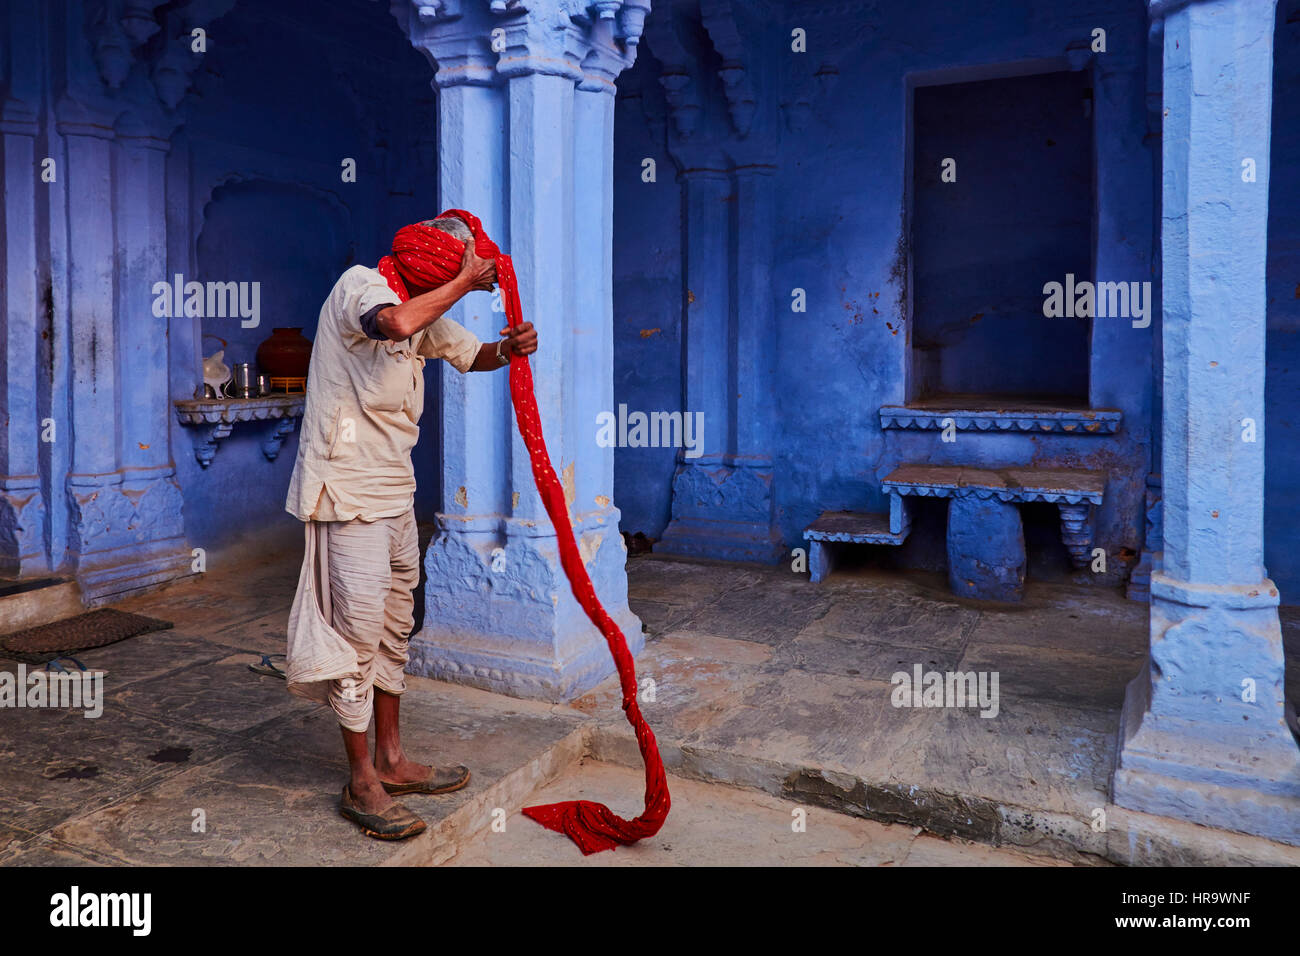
x: 243, y: 383
x: 263, y: 384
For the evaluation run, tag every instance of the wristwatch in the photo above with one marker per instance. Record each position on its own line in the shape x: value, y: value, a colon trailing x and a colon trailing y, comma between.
x: 503, y: 359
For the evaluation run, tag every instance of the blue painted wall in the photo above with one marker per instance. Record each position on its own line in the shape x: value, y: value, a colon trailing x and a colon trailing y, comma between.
x: 842, y: 236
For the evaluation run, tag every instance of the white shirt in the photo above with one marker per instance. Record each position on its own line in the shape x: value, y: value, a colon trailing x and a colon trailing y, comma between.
x: 364, y: 401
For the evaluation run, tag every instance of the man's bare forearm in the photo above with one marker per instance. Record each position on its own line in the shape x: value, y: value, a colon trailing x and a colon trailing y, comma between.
x: 486, y: 360
x: 400, y: 322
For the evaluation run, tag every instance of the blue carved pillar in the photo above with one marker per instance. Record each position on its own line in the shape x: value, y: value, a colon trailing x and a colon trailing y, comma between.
x: 525, y: 141
x: 722, y: 498
x: 23, y: 512
x: 723, y: 503
x: 755, y: 308
x: 700, y: 483
x: 593, y: 275
x: 125, y: 524
x: 1204, y: 733
x: 87, y: 485
x: 137, y: 516
x: 94, y: 372
x: 755, y: 351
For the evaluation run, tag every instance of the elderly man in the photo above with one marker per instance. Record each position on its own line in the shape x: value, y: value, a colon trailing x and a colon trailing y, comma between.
x: 354, y: 486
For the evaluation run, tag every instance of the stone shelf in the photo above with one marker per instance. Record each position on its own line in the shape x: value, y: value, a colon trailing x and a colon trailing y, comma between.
x: 1074, y: 492
x: 1055, y: 485
x: 993, y: 415
x: 216, y: 418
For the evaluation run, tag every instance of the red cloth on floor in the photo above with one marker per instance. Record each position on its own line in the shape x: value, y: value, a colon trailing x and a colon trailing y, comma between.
x: 427, y: 257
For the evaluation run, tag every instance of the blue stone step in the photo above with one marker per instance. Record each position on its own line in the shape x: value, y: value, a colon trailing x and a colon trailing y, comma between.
x: 847, y: 527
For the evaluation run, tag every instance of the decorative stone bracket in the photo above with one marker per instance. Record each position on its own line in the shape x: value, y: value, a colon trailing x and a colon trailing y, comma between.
x: 1076, y: 532
x: 216, y: 418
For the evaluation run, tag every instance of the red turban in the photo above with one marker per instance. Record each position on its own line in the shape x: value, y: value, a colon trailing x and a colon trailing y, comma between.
x: 426, y: 258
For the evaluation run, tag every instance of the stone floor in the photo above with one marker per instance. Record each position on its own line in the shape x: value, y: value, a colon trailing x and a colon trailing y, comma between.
x: 771, y: 695
x: 187, y: 727
x: 712, y: 825
x: 765, y: 681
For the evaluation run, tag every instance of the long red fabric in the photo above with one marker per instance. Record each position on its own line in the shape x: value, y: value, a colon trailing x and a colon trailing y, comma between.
x: 426, y: 257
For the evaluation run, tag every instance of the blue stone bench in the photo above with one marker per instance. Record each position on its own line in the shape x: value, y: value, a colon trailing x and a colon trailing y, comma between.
x: 851, y: 527
x: 986, y: 546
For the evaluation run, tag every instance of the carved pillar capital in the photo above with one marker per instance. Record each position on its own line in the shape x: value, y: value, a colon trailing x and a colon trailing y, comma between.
x: 726, y: 24
x: 119, y: 31
x: 74, y: 118
x: 145, y: 130
x: 17, y: 118
x: 478, y: 42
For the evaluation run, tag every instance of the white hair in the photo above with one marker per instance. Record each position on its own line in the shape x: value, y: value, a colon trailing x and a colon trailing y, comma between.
x: 453, y: 225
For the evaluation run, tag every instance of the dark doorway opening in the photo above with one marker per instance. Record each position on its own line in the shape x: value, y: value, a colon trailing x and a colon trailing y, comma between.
x: 1015, y: 215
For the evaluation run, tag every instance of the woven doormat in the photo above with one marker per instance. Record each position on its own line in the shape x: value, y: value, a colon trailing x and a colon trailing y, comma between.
x: 92, y: 629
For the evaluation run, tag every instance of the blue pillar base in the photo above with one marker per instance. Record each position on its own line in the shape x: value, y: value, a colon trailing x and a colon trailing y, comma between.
x: 107, y: 576
x: 128, y: 533
x: 722, y: 510
x: 22, y: 520
x: 499, y: 613
x: 1189, y: 745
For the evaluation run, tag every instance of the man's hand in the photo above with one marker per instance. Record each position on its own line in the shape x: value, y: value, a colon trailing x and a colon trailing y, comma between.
x: 521, y: 340
x: 426, y: 306
x: 481, y: 274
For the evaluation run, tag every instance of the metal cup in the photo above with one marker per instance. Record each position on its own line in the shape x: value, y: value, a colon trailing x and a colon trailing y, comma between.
x: 244, y: 380
x: 263, y: 384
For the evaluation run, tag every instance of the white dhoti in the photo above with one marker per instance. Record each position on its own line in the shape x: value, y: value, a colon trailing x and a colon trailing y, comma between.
x: 353, y: 613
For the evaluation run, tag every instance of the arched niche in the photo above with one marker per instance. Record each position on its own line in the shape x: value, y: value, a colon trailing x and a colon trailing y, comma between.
x: 291, y: 239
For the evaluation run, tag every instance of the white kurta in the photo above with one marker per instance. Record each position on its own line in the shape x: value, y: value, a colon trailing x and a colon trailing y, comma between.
x: 364, y: 400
